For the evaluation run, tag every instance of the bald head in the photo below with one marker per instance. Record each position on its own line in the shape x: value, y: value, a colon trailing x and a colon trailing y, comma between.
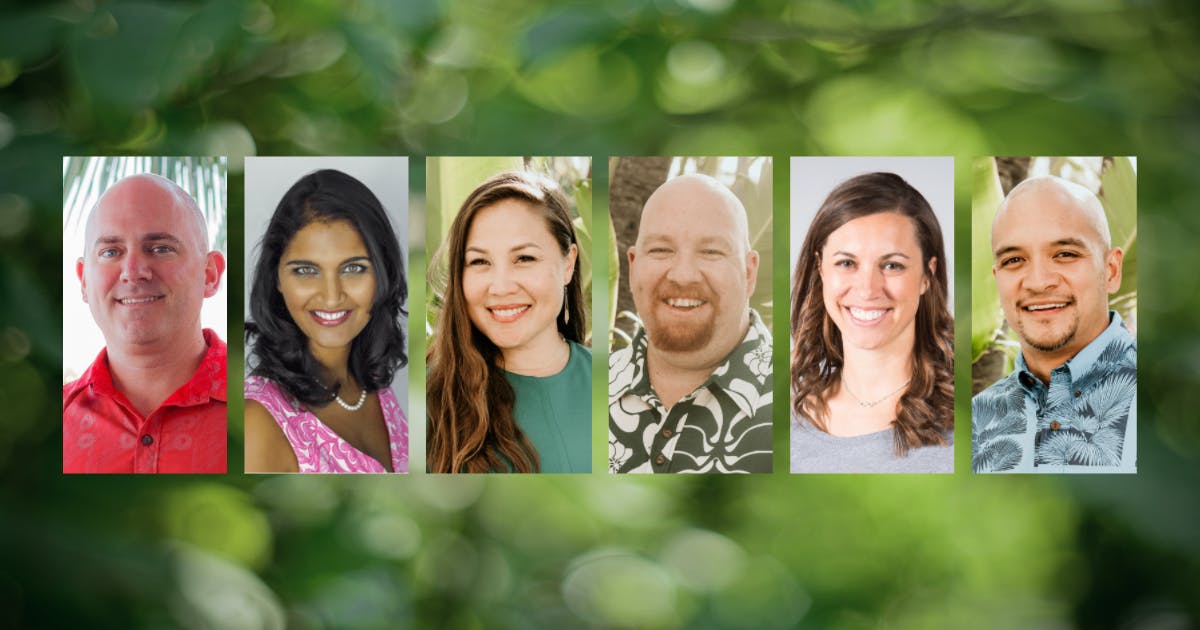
x: 148, y: 194
x: 679, y: 198
x: 1048, y: 191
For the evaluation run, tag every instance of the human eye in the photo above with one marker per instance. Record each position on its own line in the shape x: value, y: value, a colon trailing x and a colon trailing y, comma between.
x: 1067, y: 254
x: 355, y: 268
x: 893, y: 265
x: 304, y: 270
x: 108, y: 252
x: 1010, y: 261
x: 844, y: 263
x: 161, y: 249
x: 477, y: 261
x: 526, y: 258
x: 712, y: 252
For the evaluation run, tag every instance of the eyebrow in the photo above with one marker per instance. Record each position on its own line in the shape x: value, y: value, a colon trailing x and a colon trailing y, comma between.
x: 313, y: 263
x: 888, y: 255
x: 476, y: 248
x: 1070, y: 241
x: 112, y: 239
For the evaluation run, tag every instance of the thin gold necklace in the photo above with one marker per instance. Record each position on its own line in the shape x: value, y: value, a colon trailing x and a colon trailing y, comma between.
x: 865, y: 404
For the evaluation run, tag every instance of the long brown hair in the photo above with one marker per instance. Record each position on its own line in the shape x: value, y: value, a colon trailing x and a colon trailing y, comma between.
x: 926, y: 409
x: 469, y: 401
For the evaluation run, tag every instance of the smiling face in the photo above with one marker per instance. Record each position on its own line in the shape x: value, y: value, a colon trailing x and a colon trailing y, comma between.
x: 327, y: 280
x: 146, y: 270
x: 873, y: 279
x: 1053, y: 268
x: 691, y: 272
x: 514, y: 276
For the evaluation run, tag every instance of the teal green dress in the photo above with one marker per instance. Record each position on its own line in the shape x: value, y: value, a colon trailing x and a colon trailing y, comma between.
x: 555, y: 412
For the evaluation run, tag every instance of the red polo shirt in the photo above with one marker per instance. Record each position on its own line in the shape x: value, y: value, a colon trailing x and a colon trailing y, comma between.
x: 104, y: 433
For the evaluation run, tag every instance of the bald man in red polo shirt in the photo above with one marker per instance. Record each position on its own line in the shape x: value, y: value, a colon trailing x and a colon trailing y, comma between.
x: 153, y: 401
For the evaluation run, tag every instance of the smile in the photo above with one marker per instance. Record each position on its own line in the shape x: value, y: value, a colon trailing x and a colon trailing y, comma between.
x: 684, y: 303
x: 330, y: 318
x: 141, y: 300
x: 507, y: 313
x: 1033, y: 308
x: 866, y: 316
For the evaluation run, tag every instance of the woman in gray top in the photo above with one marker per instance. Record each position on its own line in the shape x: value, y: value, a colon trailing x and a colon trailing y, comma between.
x: 872, y: 369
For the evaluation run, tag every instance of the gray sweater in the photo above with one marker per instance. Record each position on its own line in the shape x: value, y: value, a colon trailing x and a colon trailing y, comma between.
x: 814, y: 451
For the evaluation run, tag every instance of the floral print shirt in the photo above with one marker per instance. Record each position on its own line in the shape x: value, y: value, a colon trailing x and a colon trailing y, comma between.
x: 724, y: 426
x: 1084, y: 420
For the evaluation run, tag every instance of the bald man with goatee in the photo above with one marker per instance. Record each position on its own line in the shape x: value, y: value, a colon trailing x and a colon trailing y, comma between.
x: 692, y: 391
x: 1070, y: 405
x: 153, y: 401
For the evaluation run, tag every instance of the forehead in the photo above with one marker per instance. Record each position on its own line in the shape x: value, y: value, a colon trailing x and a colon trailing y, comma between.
x: 1043, y: 216
x: 507, y: 223
x: 325, y: 240
x: 133, y: 208
x: 690, y: 212
x: 876, y: 234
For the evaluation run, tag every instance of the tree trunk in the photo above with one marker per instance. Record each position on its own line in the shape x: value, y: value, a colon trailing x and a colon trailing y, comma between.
x: 632, y: 180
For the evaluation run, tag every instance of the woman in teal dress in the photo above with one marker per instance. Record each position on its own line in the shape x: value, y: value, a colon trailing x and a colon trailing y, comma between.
x: 509, y: 382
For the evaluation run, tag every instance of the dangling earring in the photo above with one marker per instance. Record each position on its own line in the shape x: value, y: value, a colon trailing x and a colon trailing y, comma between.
x: 566, y: 309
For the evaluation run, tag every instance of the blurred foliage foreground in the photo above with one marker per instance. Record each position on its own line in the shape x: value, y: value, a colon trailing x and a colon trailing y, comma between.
x: 683, y: 77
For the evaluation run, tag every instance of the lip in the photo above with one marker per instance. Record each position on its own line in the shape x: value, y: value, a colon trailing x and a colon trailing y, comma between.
x: 507, y: 313
x: 865, y: 317
x: 683, y: 304
x: 139, y: 300
x: 330, y: 318
x: 1045, y: 307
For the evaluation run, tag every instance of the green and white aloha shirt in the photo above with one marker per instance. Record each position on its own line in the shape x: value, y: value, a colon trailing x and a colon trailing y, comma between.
x: 1083, y: 421
x: 724, y: 426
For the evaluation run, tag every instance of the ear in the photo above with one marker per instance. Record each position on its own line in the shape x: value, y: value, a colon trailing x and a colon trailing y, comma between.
x: 1113, y: 262
x: 82, y: 281
x: 751, y: 271
x: 932, y: 271
x: 214, y: 266
x: 572, y: 254
x: 632, y: 252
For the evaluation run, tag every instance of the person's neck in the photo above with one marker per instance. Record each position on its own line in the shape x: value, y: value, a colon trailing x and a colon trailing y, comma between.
x: 335, y: 368
x: 674, y: 375
x: 873, y: 373
x: 545, y: 356
x: 1041, y: 363
x: 147, y: 374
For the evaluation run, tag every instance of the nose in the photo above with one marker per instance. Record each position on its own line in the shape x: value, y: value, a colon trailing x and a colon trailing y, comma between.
x: 1041, y: 276
x: 869, y: 282
x: 135, y: 267
x: 503, y: 280
x: 684, y: 269
x: 333, y: 289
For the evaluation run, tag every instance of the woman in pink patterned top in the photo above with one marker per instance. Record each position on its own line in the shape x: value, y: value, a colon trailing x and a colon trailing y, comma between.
x: 325, y: 306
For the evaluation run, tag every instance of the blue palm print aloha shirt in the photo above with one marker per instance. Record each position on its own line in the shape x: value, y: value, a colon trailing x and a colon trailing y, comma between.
x: 723, y: 426
x: 1084, y: 421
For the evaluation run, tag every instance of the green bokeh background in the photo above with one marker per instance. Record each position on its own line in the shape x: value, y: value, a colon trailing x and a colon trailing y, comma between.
x: 686, y: 77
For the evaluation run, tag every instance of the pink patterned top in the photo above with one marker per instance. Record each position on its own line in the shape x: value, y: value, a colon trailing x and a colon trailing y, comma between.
x: 320, y: 450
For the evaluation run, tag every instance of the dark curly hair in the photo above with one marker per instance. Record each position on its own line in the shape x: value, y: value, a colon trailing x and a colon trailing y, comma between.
x: 926, y: 408
x: 274, y: 338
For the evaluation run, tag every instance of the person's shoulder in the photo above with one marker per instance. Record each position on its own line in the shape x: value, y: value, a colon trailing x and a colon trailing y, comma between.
x: 1001, y: 387
x: 583, y: 350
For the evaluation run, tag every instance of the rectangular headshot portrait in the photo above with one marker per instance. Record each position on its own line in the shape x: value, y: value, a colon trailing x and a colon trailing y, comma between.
x: 326, y: 285
x: 1054, y: 315
x: 689, y: 380
x: 872, y: 315
x: 144, y: 317
x: 509, y: 359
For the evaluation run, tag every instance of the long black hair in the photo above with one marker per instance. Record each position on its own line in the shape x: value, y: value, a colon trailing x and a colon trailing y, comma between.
x: 275, y: 339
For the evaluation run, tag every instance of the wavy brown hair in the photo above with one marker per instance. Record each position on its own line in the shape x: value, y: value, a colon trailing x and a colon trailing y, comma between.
x: 927, y: 406
x: 469, y: 401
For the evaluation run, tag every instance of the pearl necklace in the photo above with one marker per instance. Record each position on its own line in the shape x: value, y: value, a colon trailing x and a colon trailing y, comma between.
x: 355, y: 407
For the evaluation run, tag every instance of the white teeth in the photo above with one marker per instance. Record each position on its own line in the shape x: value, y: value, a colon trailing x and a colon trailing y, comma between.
x: 684, y: 302
x: 867, y: 315
x: 138, y: 300
x: 330, y: 315
x: 1042, y: 307
x: 509, y: 312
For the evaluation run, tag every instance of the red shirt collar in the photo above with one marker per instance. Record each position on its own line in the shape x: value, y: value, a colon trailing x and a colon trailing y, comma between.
x: 208, y: 382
